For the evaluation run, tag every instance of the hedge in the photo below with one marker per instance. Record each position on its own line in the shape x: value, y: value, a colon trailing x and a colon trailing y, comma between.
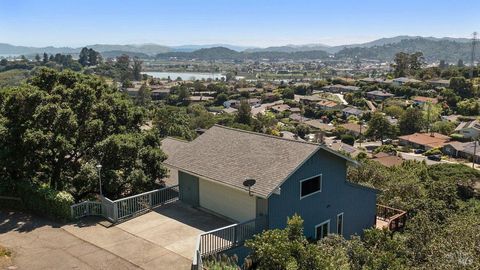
x: 44, y: 201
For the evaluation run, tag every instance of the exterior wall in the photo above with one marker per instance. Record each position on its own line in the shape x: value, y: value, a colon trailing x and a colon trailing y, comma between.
x: 356, y: 202
x: 470, y: 133
x: 226, y: 201
x: 188, y: 188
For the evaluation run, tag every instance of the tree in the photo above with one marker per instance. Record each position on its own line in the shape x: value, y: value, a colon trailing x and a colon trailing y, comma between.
x: 301, y: 130
x: 412, y: 121
x: 144, y: 95
x: 443, y: 127
x: 61, y: 124
x: 461, y: 87
x: 83, y: 57
x: 406, y: 64
x: 244, y: 115
x: 379, y: 127
x: 137, y: 69
x: 173, y: 122
x: 37, y: 58
x: 93, y: 57
x: 45, y: 58
x: 220, y: 99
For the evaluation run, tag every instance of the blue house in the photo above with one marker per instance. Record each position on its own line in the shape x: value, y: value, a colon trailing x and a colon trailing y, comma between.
x: 289, y: 177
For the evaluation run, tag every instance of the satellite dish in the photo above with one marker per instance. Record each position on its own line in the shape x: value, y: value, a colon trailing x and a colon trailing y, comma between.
x: 249, y: 183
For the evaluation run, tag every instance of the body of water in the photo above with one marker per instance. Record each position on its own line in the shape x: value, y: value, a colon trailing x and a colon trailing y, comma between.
x: 185, y: 75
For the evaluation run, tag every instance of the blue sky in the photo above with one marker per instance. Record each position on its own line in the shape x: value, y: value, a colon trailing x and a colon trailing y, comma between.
x: 249, y: 22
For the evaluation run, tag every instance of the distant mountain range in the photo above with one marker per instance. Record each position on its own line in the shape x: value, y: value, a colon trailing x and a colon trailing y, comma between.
x: 450, y: 49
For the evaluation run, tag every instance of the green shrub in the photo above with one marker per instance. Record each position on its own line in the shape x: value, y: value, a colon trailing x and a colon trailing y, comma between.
x: 348, y: 139
x: 42, y: 200
x: 433, y: 151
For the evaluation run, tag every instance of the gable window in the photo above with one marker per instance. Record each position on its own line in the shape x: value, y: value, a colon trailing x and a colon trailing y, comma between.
x: 340, y: 224
x: 310, y: 186
x: 322, y: 230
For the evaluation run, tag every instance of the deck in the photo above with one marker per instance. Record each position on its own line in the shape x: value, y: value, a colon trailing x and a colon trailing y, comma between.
x: 390, y: 218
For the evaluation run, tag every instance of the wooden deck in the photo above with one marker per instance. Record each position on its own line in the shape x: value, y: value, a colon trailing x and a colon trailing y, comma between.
x: 390, y: 218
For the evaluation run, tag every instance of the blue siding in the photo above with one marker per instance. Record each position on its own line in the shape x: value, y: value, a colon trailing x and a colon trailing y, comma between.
x: 337, y: 196
x: 188, y: 188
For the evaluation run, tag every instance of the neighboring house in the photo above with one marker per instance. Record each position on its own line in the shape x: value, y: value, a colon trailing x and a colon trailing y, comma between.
x: 352, y: 111
x: 439, y: 83
x: 379, y: 95
x: 311, y: 99
x: 341, y: 147
x: 354, y: 129
x: 469, y: 130
x: 160, y: 93
x: 234, y: 103
x: 317, y: 124
x: 298, y: 117
x: 464, y: 150
x: 419, y: 100
x: 229, y: 110
x: 170, y: 146
x: 199, y: 98
x: 280, y: 108
x: 404, y: 80
x: 338, y: 88
x: 328, y: 105
x: 424, y: 141
x: 291, y: 177
x: 387, y: 159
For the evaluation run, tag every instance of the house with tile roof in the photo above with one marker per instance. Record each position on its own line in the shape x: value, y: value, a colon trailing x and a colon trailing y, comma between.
x: 242, y: 175
x: 424, y: 141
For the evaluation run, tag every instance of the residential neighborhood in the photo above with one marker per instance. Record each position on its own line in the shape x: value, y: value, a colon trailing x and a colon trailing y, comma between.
x: 248, y: 135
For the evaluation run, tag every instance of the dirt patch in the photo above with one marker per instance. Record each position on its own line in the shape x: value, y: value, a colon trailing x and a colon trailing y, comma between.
x: 5, y: 258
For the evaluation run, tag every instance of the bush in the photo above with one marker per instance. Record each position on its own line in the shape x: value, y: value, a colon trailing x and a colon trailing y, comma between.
x: 44, y: 201
x: 433, y: 151
x: 348, y: 139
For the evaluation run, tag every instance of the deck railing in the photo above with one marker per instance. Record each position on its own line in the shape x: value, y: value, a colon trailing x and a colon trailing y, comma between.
x: 225, y: 238
x: 87, y: 208
x: 125, y: 207
x: 395, y: 218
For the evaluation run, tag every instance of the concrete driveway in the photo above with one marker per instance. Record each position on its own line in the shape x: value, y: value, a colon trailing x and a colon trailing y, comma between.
x: 39, y: 244
x: 161, y: 239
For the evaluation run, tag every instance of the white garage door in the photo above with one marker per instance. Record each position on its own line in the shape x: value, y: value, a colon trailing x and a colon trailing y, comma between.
x: 226, y: 201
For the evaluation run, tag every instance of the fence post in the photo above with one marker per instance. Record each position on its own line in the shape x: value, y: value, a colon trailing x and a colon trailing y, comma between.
x: 115, y: 211
x: 71, y: 211
x: 150, y: 202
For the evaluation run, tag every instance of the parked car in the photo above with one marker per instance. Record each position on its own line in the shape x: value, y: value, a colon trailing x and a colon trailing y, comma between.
x: 435, y: 157
x: 419, y: 151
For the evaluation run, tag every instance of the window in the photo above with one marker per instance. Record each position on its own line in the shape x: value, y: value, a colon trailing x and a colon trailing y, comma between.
x: 322, y: 230
x: 340, y: 224
x: 310, y: 186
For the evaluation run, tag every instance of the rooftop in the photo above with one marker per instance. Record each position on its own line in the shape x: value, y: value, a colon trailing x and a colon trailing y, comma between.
x: 431, y: 140
x: 230, y: 156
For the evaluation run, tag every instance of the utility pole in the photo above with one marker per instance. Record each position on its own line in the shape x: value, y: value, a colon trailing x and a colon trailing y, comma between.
x: 472, y: 55
x: 474, y: 153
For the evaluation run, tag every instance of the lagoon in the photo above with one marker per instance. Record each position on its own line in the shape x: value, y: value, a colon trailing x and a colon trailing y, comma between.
x: 185, y: 75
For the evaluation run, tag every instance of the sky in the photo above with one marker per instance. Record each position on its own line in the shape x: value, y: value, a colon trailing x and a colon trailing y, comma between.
x: 259, y: 23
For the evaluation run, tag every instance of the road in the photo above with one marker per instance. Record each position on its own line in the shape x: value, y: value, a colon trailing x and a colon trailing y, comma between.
x: 419, y: 157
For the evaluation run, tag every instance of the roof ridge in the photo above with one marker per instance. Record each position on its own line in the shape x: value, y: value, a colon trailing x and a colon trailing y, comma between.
x: 265, y: 135
x: 176, y: 139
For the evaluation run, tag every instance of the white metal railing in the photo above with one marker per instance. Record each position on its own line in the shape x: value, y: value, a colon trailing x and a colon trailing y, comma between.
x: 87, y: 208
x: 225, y: 238
x: 125, y: 207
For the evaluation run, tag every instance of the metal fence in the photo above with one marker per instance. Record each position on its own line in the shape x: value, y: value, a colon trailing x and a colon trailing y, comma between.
x: 126, y: 207
x: 225, y: 238
x: 87, y: 208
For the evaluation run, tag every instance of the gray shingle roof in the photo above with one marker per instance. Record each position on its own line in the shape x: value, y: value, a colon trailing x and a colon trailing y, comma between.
x: 171, y: 145
x: 230, y: 156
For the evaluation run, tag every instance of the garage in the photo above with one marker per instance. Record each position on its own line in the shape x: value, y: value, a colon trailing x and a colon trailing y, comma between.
x: 226, y: 201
